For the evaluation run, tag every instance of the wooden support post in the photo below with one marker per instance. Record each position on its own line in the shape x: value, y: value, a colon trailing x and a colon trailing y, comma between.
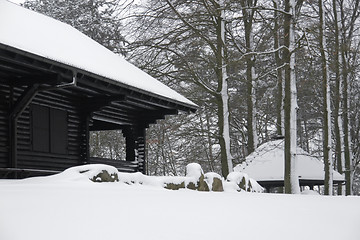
x: 15, y: 112
x: 135, y: 138
x: 85, y: 139
x: 141, y: 149
x: 130, y: 143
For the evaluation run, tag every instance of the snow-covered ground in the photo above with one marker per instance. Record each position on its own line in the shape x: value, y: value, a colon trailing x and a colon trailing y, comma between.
x: 71, y: 207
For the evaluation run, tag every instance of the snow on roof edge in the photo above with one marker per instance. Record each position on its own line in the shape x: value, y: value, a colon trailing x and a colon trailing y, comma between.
x: 38, y: 34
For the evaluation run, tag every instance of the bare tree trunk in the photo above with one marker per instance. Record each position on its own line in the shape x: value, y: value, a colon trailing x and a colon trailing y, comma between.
x: 337, y: 101
x: 345, y: 91
x: 291, y: 180
x: 346, y: 137
x: 347, y: 155
x: 279, y: 75
x: 223, y: 98
x: 328, y: 182
x: 248, y: 14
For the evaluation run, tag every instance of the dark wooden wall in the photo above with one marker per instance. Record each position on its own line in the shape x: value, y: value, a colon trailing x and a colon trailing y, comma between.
x: 4, y: 141
x: 26, y: 157
x: 78, y: 124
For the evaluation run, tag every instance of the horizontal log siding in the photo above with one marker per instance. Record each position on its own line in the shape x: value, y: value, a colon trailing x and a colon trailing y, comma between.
x: 29, y: 159
x: 4, y: 112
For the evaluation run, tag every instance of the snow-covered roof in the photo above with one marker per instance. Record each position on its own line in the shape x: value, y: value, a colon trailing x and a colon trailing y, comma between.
x: 46, y: 37
x: 266, y: 163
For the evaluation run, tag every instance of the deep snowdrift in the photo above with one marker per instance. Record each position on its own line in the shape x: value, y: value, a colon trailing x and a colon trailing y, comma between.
x: 70, y: 207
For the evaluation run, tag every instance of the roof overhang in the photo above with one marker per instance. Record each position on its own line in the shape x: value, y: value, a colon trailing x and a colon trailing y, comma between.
x: 34, y: 46
x: 112, y: 103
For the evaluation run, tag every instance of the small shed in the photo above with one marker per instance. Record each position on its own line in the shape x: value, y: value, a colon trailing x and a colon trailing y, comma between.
x: 57, y: 85
x: 266, y: 166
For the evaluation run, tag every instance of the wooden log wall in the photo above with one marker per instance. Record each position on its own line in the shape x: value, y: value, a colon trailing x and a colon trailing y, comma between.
x: 77, y: 127
x: 4, y: 141
x: 29, y: 159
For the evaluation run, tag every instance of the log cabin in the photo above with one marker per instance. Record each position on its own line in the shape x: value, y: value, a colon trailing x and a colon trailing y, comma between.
x: 57, y: 85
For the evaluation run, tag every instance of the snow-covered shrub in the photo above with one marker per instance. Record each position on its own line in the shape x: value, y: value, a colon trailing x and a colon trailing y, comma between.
x: 244, y: 182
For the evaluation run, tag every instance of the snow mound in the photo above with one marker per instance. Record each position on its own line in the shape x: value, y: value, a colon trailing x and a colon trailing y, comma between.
x: 194, y: 170
x: 309, y: 192
x: 84, y: 173
x: 195, y: 179
x: 94, y: 172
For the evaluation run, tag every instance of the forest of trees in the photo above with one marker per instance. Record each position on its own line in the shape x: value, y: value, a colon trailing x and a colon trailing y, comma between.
x: 257, y: 69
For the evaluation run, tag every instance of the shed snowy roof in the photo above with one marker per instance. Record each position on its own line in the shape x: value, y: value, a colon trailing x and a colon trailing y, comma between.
x: 266, y: 163
x: 46, y: 37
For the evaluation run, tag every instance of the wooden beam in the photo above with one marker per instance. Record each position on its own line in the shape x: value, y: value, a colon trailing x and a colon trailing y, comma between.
x: 99, y: 86
x: 24, y: 100
x: 111, y: 120
x: 94, y: 104
x: 111, y: 117
x: 20, y: 105
x: 102, y: 126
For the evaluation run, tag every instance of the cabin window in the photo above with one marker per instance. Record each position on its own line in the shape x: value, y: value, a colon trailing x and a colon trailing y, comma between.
x: 49, y: 130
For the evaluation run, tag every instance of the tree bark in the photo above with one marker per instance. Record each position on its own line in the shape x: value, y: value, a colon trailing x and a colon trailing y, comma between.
x: 337, y: 100
x: 250, y: 75
x: 328, y: 181
x: 279, y: 75
x: 223, y: 96
x: 291, y: 180
x: 345, y: 90
x: 346, y: 129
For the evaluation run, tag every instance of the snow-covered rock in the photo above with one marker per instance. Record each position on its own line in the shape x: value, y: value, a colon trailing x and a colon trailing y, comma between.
x: 214, y: 181
x: 94, y: 172
x: 244, y: 182
x: 195, y: 179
